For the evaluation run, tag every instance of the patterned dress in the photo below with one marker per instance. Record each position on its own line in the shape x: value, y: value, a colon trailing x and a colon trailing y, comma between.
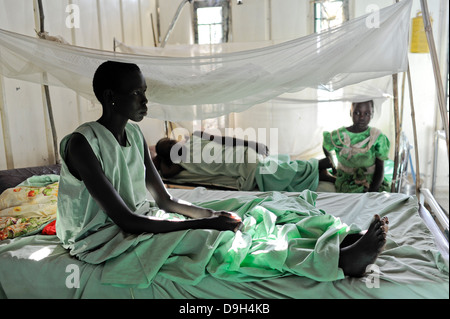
x: 356, y: 154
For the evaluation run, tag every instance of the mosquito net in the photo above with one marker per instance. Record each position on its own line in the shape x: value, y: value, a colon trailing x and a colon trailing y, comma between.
x: 206, y: 86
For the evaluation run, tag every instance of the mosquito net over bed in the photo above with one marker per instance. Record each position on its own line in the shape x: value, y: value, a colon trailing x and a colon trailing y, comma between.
x: 200, y: 87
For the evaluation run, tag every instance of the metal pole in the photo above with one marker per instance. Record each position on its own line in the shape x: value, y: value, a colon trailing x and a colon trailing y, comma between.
x: 46, y: 89
x: 396, y: 178
x: 5, y: 128
x: 153, y: 31
x: 437, y: 136
x: 100, y: 32
x: 413, y: 119
x: 174, y: 20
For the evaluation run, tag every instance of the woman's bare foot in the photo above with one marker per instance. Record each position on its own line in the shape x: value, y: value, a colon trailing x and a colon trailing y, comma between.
x: 354, y: 258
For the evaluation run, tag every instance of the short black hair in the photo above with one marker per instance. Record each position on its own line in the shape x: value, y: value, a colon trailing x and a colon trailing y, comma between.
x: 108, y: 74
x: 163, y: 147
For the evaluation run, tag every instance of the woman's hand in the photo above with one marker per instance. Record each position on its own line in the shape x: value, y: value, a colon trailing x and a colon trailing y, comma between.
x: 260, y: 148
x: 223, y: 220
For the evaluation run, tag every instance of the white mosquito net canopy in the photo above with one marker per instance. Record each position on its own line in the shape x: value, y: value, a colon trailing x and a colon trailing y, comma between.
x: 206, y: 86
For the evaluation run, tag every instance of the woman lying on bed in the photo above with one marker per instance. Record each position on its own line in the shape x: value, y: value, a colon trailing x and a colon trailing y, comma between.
x: 106, y: 171
x: 227, y: 157
x: 208, y: 155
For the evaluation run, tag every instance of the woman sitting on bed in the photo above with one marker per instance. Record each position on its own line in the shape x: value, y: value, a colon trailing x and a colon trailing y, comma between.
x: 106, y: 171
x: 107, y: 168
x: 247, y: 161
x: 360, y: 150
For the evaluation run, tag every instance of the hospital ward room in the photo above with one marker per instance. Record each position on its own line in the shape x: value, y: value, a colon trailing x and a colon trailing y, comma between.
x: 234, y: 152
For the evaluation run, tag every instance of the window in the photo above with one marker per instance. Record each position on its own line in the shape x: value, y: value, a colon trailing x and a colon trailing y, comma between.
x: 329, y: 13
x: 209, y: 25
x: 211, y: 21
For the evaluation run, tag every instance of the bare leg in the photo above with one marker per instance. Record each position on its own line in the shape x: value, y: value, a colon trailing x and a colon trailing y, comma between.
x: 326, y: 177
x: 324, y: 164
x: 355, y: 257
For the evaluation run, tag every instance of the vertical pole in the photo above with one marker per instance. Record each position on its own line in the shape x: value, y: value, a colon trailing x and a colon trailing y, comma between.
x: 402, y: 100
x: 153, y: 31
x: 5, y: 128
x: 47, y: 92
x: 416, y: 146
x: 158, y: 22
x: 397, y: 133
x: 100, y: 28
x: 122, y: 27
x: 269, y: 19
x: 395, y: 179
x: 140, y: 24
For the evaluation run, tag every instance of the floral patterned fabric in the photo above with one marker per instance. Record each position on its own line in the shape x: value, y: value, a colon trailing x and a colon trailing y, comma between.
x: 356, y: 154
x: 25, y: 209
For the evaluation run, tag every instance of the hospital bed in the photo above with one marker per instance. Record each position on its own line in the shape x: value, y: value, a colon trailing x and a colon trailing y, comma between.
x: 414, y: 263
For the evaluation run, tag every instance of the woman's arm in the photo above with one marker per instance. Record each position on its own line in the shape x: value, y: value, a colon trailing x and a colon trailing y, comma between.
x: 164, y: 165
x: 378, y: 176
x: 260, y: 148
x: 166, y: 202
x: 168, y: 170
x: 84, y: 165
x: 330, y: 160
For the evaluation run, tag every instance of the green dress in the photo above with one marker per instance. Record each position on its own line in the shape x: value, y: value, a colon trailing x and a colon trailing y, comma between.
x: 356, y: 154
x: 281, y: 235
x: 81, y: 225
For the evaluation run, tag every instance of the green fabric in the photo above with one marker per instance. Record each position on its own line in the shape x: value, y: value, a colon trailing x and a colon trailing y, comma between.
x: 82, y: 225
x: 281, y: 236
x: 344, y: 142
x: 40, y: 180
x: 209, y: 158
x: 280, y: 173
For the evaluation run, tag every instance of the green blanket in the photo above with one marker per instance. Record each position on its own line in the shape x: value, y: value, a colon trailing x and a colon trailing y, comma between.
x: 280, y: 173
x: 281, y: 236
